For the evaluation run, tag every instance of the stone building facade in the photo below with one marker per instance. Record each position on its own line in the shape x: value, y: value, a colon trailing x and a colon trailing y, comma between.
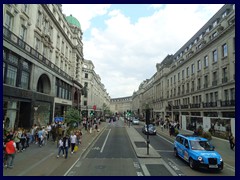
x: 42, y: 63
x: 95, y: 99
x: 196, y: 85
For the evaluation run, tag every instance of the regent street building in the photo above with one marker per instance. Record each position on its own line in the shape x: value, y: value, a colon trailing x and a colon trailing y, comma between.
x: 95, y: 98
x: 196, y: 85
x: 42, y: 63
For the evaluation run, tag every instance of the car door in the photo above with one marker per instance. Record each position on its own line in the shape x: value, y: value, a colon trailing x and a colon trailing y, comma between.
x: 186, y: 149
x: 180, y: 147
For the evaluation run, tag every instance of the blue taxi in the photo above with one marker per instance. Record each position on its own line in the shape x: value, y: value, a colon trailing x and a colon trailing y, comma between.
x: 197, y: 151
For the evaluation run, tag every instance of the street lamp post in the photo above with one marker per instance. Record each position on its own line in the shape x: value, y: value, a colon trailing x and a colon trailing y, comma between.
x: 148, y: 122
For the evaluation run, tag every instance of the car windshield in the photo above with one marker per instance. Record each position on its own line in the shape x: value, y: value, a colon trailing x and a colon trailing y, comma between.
x: 201, y: 145
x: 149, y: 126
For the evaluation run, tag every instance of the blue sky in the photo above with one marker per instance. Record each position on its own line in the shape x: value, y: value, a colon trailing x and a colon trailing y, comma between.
x: 126, y: 41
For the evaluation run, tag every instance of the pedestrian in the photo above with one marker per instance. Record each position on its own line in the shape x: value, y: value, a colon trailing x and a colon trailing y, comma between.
x: 48, y: 128
x: 66, y: 145
x: 60, y: 147
x: 16, y: 140
x: 40, y: 137
x: 231, y: 141
x: 11, y: 150
x: 73, y: 139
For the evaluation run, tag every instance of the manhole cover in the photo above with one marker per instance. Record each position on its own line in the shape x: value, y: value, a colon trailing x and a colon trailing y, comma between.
x: 158, y: 170
x: 140, y: 144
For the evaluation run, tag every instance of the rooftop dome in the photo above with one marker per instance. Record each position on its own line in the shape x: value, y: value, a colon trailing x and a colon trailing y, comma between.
x: 72, y: 20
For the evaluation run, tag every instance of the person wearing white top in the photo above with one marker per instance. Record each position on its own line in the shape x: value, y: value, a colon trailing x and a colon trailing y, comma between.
x: 73, y: 139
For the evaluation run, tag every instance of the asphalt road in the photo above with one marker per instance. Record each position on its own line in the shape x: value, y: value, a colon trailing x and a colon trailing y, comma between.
x: 110, y: 155
x: 164, y: 146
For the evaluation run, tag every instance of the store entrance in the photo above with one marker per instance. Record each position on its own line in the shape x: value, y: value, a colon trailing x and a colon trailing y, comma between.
x: 25, y: 115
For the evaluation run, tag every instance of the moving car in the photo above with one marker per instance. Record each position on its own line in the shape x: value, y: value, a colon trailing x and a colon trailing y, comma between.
x: 135, y: 121
x: 197, y: 151
x: 151, y: 129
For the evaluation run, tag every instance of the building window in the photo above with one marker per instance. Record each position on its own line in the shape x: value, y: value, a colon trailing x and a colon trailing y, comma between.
x: 179, y: 76
x: 216, y: 96
x: 215, y: 56
x: 224, y: 50
x: 199, y: 83
x: 37, y: 44
x: 199, y: 65
x: 206, y: 81
x: 62, y: 48
x: 39, y: 19
x: 8, y: 21
x: 232, y: 93
x: 25, y: 8
x: 11, y: 75
x: 3, y: 70
x: 58, y: 42
x: 187, y: 71
x: 193, y: 69
x: 182, y: 74
x: 226, y: 95
x: 23, y: 31
x: 25, y: 80
x: 86, y: 75
x: 85, y: 103
x: 206, y: 61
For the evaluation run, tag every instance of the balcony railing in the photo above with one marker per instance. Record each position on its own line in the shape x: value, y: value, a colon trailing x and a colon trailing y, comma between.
x: 176, y: 107
x: 184, y: 106
x: 195, y: 105
x: 210, y: 104
x: 14, y: 39
x: 227, y: 103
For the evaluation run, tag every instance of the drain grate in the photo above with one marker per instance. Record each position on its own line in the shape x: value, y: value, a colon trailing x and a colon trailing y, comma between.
x: 140, y: 144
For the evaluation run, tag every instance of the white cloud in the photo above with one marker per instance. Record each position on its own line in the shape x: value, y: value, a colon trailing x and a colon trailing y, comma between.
x: 126, y: 54
x: 85, y: 12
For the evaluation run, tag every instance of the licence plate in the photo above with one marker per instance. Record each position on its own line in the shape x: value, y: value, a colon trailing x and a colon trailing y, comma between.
x: 213, y: 166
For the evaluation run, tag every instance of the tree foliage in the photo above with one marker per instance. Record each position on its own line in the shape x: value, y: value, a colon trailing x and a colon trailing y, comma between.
x: 72, y: 116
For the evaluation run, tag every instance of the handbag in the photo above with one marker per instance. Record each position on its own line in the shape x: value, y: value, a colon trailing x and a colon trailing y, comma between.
x: 75, y: 148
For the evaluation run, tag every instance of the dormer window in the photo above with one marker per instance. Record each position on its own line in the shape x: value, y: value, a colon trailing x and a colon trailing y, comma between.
x: 215, y: 23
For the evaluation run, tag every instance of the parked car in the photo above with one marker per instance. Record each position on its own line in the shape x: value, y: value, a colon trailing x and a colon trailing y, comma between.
x: 197, y: 151
x: 135, y: 121
x: 151, y: 129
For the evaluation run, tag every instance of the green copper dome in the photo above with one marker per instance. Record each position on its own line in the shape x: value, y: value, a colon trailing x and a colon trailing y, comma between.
x: 72, y: 20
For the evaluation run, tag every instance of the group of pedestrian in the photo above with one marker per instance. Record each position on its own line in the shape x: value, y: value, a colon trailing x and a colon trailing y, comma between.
x: 91, y: 124
x: 67, y: 142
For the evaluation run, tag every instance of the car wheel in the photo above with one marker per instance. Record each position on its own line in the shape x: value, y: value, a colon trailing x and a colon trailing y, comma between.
x: 192, y: 163
x: 175, y: 152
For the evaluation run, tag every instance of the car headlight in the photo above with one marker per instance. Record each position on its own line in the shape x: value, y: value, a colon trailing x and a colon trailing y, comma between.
x: 200, y: 158
x: 221, y: 159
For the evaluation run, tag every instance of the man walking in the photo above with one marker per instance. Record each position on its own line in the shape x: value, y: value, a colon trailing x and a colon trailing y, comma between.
x: 10, y: 152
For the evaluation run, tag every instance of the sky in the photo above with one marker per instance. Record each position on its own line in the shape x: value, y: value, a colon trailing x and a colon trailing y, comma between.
x: 126, y: 41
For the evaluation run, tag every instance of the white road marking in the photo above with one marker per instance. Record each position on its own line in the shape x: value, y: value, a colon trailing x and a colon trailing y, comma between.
x: 105, y: 141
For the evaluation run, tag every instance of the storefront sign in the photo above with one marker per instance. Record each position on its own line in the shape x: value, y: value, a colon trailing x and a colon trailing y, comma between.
x: 58, y: 119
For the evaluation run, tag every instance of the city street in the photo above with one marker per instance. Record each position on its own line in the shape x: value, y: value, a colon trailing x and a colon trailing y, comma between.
x: 117, y: 150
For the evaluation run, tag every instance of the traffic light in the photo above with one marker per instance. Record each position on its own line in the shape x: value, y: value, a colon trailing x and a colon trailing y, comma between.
x: 91, y: 113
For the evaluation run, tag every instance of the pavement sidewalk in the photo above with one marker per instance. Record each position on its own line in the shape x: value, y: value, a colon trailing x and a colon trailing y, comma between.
x: 36, y: 161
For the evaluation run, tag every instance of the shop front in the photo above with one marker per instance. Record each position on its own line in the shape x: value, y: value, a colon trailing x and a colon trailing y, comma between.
x: 23, y: 108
